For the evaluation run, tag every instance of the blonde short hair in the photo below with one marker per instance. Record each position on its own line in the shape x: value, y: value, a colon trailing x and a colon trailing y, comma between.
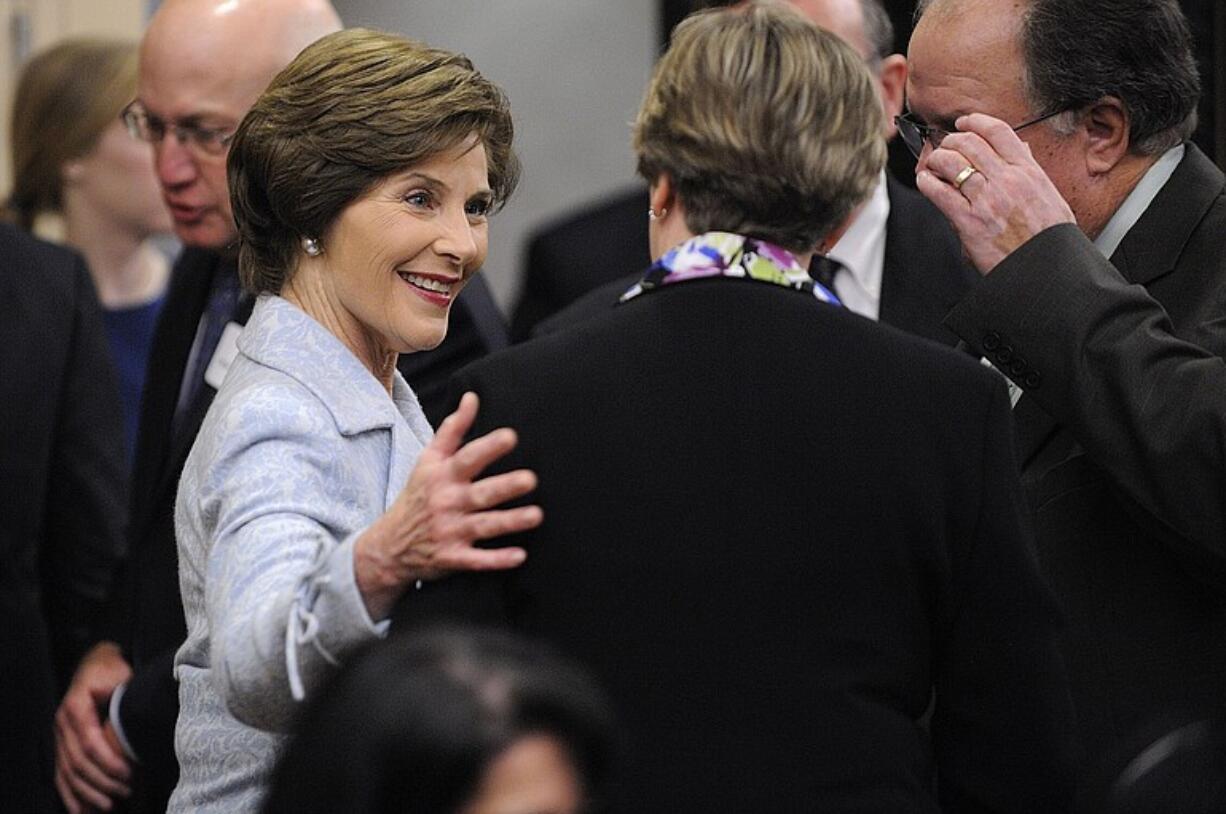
x: 767, y: 125
x: 352, y: 109
x: 66, y: 97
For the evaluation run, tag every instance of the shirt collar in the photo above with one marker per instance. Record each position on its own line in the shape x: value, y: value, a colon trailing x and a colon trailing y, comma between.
x: 1138, y: 200
x: 861, y: 250
x: 281, y: 336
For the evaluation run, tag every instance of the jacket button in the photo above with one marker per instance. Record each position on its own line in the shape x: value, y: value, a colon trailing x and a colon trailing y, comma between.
x: 1018, y: 367
x: 992, y: 341
x: 1005, y: 355
x: 1032, y: 380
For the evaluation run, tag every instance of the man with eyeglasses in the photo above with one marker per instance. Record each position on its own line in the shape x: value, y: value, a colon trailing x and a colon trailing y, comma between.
x: 1053, y: 135
x: 898, y: 260
x: 203, y: 63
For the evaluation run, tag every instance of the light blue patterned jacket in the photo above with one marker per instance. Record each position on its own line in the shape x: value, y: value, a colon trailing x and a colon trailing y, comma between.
x: 301, y: 450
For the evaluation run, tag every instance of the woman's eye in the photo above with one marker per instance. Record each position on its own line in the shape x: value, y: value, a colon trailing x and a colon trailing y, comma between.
x: 418, y: 199
x: 479, y: 208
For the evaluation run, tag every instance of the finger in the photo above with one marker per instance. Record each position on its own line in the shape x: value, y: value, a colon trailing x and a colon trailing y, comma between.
x: 953, y: 204
x: 973, y: 150
x: 78, y: 777
x: 500, y: 522
x: 1002, y: 138
x: 84, y: 773
x: 78, y: 723
x: 65, y: 791
x: 479, y: 453
x: 465, y: 558
x: 451, y: 432
x: 946, y: 164
x: 489, y: 492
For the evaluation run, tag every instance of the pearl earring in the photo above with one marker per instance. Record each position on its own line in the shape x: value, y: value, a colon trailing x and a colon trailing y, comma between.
x: 651, y: 214
x: 311, y: 246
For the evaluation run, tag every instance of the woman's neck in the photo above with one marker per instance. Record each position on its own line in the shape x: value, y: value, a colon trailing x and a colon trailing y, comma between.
x: 126, y: 268
x: 310, y: 289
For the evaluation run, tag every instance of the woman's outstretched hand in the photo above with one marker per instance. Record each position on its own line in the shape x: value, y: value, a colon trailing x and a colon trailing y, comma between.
x: 429, y: 531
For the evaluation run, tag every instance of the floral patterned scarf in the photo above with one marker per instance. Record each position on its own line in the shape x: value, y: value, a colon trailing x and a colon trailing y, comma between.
x: 723, y: 254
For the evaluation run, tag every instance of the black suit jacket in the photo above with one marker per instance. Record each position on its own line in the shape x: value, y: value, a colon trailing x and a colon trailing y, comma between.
x: 586, y: 263
x: 62, y: 495
x: 773, y: 529
x: 1122, y: 438
x: 146, y: 612
x: 571, y: 257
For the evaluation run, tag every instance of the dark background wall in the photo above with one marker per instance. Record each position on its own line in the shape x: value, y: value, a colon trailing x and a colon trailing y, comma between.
x: 1206, y: 17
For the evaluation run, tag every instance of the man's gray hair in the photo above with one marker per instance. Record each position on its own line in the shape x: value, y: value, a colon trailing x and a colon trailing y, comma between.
x: 878, y: 28
x: 1139, y: 51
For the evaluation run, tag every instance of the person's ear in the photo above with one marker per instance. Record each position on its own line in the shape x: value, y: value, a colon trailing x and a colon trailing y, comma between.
x: 892, y: 84
x: 662, y: 196
x: 1106, y: 124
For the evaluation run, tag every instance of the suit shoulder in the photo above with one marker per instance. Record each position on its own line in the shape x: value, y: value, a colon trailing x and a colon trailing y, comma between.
x: 626, y: 207
x: 34, y: 264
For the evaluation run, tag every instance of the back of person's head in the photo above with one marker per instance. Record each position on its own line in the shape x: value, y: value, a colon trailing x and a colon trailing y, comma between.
x: 767, y: 125
x: 65, y: 98
x: 1079, y: 51
x: 878, y: 28
x: 415, y: 721
x: 352, y: 109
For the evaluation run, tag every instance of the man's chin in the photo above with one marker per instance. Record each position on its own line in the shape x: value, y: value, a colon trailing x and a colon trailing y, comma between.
x: 208, y: 232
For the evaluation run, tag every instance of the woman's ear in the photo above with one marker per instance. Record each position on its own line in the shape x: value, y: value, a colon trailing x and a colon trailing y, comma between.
x: 662, y: 196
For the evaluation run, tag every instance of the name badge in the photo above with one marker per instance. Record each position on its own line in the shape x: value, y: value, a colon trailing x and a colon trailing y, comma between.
x: 223, y: 356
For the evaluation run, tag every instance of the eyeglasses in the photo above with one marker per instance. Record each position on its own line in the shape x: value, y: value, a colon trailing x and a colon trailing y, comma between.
x: 143, y: 125
x: 914, y: 133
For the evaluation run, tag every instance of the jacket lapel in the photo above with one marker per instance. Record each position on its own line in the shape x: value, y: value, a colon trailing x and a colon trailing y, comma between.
x: 176, y: 331
x: 923, y: 274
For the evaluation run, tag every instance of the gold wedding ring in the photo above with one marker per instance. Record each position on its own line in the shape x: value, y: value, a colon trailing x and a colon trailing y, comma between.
x: 961, y: 177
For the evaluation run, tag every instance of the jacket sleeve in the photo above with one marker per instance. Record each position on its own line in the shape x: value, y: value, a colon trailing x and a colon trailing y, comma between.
x: 149, y: 709
x: 279, y: 588
x: 1103, y: 359
x: 86, y: 496
x: 1002, y: 726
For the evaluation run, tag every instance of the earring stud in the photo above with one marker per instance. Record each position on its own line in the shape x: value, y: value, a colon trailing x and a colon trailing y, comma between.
x: 311, y: 246
x: 651, y: 214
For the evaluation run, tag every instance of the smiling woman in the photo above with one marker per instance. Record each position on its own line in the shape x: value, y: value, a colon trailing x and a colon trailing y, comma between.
x: 361, y: 182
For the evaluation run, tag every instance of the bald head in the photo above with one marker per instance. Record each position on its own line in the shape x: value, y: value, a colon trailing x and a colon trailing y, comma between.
x: 205, y: 62
x: 247, y: 40
x: 843, y: 18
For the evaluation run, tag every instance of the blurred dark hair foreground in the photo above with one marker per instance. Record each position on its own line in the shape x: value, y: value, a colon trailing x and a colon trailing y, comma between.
x: 412, y: 724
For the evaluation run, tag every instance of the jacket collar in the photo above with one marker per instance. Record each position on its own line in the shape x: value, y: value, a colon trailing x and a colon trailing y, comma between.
x: 1153, y: 246
x: 281, y: 336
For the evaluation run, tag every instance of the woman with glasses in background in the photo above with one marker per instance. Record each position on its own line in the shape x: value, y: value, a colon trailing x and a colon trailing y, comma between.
x: 79, y: 177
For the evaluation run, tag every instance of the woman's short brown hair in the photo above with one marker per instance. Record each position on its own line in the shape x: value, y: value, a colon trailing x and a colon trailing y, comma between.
x: 66, y: 97
x: 767, y: 125
x: 350, y: 110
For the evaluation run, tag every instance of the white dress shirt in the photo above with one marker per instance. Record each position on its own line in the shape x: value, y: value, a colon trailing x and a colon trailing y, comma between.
x: 861, y: 250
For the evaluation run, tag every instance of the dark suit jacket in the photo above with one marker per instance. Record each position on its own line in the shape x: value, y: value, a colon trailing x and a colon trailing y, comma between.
x: 1122, y: 439
x: 571, y: 257
x: 586, y: 262
x: 147, y: 611
x: 773, y: 529
x: 61, y: 497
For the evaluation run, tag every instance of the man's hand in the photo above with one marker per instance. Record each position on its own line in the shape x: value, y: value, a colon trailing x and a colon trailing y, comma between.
x: 1005, y: 202
x: 91, y: 769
